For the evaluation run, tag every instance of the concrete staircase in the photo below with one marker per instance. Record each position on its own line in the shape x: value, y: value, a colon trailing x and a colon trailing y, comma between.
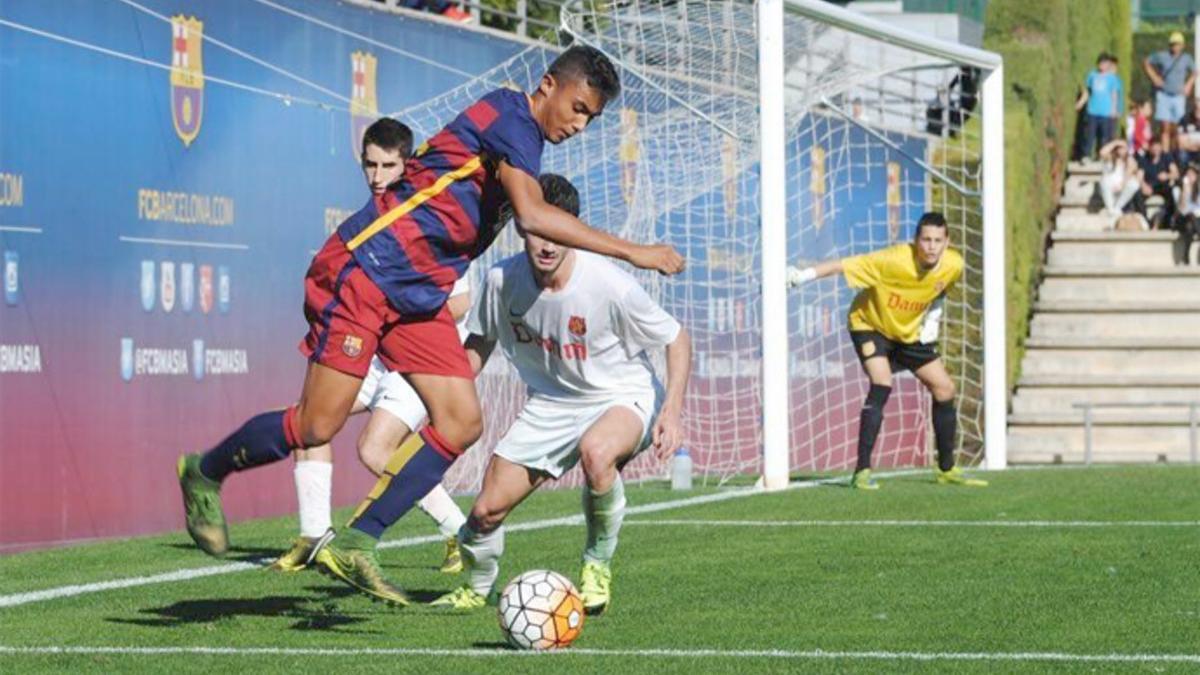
x: 1115, y: 322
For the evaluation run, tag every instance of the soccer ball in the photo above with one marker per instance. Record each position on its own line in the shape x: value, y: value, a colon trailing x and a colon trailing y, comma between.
x: 540, y: 610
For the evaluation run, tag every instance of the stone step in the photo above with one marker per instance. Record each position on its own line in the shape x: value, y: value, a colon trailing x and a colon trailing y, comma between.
x: 1111, y: 443
x: 1119, y: 380
x: 1127, y: 284
x: 1112, y: 249
x: 1061, y: 399
x: 1057, y: 358
x: 1117, y: 325
x: 1084, y: 306
x: 1082, y: 221
x: 1088, y: 168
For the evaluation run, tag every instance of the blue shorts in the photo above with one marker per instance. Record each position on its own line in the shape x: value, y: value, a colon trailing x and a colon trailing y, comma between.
x: 1169, y: 107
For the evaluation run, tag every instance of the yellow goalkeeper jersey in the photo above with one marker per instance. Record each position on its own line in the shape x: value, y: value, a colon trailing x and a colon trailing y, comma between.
x: 895, y: 293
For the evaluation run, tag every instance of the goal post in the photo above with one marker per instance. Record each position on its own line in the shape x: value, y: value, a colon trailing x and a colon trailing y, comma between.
x: 751, y: 136
x: 773, y: 195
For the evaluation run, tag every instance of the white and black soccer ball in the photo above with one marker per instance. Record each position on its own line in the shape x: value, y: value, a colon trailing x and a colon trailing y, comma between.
x: 540, y: 610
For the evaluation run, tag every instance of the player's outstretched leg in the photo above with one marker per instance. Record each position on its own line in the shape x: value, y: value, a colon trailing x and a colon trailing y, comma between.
x: 264, y: 439
x: 416, y: 467
x: 945, y: 425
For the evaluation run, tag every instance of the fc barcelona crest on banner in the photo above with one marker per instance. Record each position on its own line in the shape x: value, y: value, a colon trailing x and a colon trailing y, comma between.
x: 364, y: 106
x: 187, y: 77
x: 630, y: 152
x: 817, y: 186
x: 893, y: 200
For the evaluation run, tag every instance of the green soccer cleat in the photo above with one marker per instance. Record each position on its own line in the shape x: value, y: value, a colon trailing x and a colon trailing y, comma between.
x: 464, y: 597
x: 296, y: 557
x: 453, y: 563
x: 359, y: 568
x: 862, y: 481
x: 955, y: 476
x: 202, y: 507
x: 595, y: 587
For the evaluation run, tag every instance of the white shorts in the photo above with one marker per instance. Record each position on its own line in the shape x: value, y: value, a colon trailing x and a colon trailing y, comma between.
x: 545, y: 437
x: 386, y: 390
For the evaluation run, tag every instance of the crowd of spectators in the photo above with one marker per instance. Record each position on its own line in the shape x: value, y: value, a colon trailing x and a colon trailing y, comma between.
x: 1149, y: 177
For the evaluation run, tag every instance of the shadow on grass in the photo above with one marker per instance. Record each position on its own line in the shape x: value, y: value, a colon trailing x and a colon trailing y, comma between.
x: 236, y: 553
x: 492, y: 645
x: 307, y: 613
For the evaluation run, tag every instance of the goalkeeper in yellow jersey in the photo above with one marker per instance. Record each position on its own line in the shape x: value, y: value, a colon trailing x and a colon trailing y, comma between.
x: 893, y: 328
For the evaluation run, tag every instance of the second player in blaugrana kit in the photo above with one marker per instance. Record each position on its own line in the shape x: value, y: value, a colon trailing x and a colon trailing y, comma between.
x: 894, y: 322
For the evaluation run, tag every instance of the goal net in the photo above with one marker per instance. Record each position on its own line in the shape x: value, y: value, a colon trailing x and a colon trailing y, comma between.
x: 876, y: 134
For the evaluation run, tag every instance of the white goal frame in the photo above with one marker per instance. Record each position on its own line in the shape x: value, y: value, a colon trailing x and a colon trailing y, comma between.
x: 773, y: 196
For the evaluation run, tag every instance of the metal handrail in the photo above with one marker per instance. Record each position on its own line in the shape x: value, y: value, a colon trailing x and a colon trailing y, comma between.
x: 1193, y: 422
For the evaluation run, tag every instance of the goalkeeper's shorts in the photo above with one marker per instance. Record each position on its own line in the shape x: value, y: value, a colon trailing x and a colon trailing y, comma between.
x: 902, y: 356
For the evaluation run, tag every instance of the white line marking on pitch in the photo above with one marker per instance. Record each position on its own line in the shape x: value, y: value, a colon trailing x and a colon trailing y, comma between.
x: 667, y: 653
x: 26, y: 598
x: 922, y: 523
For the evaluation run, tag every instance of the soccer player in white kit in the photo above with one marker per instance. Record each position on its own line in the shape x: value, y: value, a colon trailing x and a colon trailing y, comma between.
x: 577, y: 328
x: 396, y: 410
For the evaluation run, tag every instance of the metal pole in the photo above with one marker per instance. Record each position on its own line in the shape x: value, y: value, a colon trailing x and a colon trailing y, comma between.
x: 522, y: 23
x: 773, y: 226
x: 995, y: 324
x: 1192, y: 432
x: 1087, y: 435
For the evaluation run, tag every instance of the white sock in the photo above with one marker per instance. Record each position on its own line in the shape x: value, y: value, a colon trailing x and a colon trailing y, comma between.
x: 314, y: 484
x: 441, y: 507
x: 604, y: 514
x: 481, y: 556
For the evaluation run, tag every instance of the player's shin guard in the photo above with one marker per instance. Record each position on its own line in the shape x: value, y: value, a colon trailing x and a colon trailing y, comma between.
x: 263, y: 439
x: 439, y: 506
x: 481, y: 555
x: 414, y: 469
x: 314, y: 484
x: 604, y: 513
x: 945, y: 429
x: 870, y: 422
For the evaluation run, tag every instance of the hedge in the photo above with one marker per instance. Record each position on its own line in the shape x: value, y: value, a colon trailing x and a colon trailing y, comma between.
x: 1048, y: 48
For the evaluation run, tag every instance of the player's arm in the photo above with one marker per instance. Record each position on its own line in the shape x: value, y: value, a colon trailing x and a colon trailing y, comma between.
x: 560, y: 227
x: 479, y: 348
x: 797, y: 276
x: 668, y: 430
x: 459, y: 305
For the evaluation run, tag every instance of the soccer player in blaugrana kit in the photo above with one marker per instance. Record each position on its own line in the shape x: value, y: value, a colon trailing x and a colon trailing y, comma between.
x: 379, y: 286
x: 396, y: 410
x: 893, y: 323
x: 578, y: 330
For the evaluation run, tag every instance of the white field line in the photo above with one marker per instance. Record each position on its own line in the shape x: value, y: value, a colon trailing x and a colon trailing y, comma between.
x: 920, y: 523
x: 780, y: 654
x: 16, y: 599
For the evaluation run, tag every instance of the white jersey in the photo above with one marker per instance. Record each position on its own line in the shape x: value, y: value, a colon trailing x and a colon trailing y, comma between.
x: 586, y: 341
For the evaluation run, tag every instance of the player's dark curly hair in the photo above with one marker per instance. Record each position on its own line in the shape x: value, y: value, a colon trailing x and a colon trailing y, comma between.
x: 559, y: 191
x: 931, y: 219
x: 590, y: 65
x: 389, y: 134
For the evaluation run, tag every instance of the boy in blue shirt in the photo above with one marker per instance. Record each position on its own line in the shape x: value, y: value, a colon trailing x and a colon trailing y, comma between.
x: 1104, y: 96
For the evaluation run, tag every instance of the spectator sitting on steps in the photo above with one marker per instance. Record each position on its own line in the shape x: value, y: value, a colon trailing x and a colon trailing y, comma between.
x: 1160, y: 176
x: 1120, y: 178
x: 1188, y: 219
x: 1187, y: 141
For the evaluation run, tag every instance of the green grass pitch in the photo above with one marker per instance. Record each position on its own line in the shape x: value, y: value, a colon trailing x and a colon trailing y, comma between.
x: 1070, y: 570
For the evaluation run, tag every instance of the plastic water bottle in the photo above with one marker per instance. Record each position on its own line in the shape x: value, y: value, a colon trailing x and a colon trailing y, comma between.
x: 681, y: 470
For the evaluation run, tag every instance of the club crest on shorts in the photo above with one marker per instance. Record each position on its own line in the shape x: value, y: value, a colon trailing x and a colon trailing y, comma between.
x: 364, y: 106
x: 352, y: 346
x: 187, y: 77
x: 577, y: 325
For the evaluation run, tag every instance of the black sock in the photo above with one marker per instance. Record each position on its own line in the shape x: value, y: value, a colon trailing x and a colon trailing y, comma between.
x: 869, y: 423
x: 261, y: 440
x: 945, y: 428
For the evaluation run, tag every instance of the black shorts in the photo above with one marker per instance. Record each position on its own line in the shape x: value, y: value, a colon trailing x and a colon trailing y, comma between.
x: 902, y: 356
